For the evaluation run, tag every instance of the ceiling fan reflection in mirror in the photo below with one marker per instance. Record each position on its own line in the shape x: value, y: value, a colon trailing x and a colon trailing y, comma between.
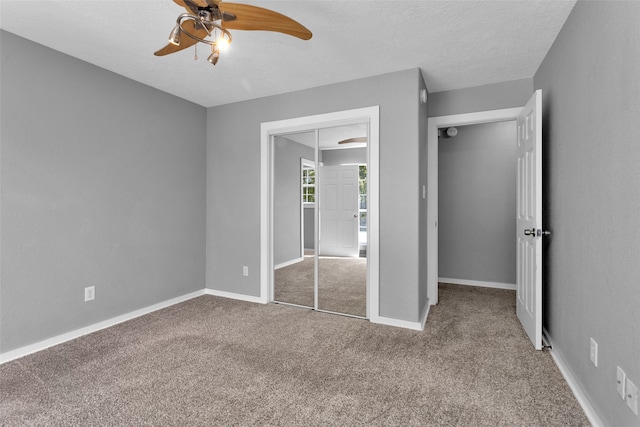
x: 209, y: 22
x: 353, y: 140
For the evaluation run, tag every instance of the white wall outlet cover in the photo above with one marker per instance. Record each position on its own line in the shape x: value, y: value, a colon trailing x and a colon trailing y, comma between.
x: 632, y: 396
x: 593, y: 353
x: 89, y: 293
x: 620, y: 382
x: 245, y: 270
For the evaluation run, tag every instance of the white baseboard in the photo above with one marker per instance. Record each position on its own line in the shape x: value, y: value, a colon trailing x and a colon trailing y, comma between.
x: 568, y: 375
x: 425, y: 316
x: 416, y: 326
x: 290, y: 262
x: 496, y: 285
x: 49, y: 342
x: 232, y: 295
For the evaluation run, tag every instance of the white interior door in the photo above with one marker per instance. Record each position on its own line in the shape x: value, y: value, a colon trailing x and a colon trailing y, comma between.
x: 529, y: 220
x: 338, y: 200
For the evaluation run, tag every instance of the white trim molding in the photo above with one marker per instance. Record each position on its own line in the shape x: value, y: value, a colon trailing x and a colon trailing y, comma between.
x: 567, y: 373
x: 233, y: 295
x: 68, y: 336
x: 496, y: 285
x: 406, y: 324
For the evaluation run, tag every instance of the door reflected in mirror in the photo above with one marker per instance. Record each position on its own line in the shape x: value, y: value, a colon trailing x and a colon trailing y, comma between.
x: 342, y: 260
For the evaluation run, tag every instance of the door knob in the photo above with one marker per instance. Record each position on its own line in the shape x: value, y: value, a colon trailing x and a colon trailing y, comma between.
x: 536, y: 233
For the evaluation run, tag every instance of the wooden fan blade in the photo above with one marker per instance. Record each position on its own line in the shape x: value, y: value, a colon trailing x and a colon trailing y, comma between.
x: 350, y: 140
x: 185, y: 41
x: 191, y: 5
x: 257, y: 18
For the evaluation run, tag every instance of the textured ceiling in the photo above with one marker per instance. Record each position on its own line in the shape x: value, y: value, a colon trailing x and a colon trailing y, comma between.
x: 455, y: 43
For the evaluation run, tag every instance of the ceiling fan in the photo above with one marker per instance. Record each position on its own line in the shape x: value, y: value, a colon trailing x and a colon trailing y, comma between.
x: 209, y: 22
x: 352, y: 140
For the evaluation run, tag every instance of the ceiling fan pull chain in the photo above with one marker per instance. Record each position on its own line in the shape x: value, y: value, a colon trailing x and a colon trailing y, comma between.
x: 195, y: 56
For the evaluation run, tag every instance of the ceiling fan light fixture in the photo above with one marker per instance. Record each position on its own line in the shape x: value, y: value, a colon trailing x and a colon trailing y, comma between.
x: 215, y: 55
x: 174, y: 37
x: 205, y: 21
x: 222, y: 44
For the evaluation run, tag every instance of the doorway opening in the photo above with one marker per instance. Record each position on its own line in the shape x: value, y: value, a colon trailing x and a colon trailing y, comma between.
x: 331, y: 207
x: 528, y: 209
x: 434, y: 125
x: 476, y: 205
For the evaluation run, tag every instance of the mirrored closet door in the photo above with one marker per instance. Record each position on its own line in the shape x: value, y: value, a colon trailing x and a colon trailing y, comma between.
x: 342, y: 254
x: 320, y: 219
x: 294, y: 199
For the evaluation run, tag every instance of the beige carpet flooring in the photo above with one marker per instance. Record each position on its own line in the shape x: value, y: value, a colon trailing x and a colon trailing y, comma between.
x: 219, y: 362
x: 342, y: 284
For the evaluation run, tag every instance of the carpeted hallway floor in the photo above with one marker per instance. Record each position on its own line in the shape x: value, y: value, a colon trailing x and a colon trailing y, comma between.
x: 213, y: 361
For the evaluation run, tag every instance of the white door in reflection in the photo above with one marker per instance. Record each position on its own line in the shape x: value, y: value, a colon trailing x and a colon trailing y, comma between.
x: 339, y: 216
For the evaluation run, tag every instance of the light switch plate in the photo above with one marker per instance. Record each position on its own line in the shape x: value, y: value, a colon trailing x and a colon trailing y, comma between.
x: 632, y: 396
x: 620, y: 382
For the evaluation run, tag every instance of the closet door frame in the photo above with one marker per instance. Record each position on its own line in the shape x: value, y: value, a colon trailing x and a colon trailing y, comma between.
x: 268, y: 130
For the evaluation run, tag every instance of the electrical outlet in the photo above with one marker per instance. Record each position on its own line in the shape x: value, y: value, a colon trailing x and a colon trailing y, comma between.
x: 594, y: 352
x: 620, y: 379
x: 89, y: 293
x: 632, y: 396
x: 245, y: 270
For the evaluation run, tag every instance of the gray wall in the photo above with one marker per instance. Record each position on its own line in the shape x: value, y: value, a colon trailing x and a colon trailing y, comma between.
x: 477, y: 203
x: 287, y: 198
x: 309, y: 227
x: 233, y: 221
x: 103, y: 183
x: 590, y: 83
x: 344, y: 156
x: 496, y: 96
